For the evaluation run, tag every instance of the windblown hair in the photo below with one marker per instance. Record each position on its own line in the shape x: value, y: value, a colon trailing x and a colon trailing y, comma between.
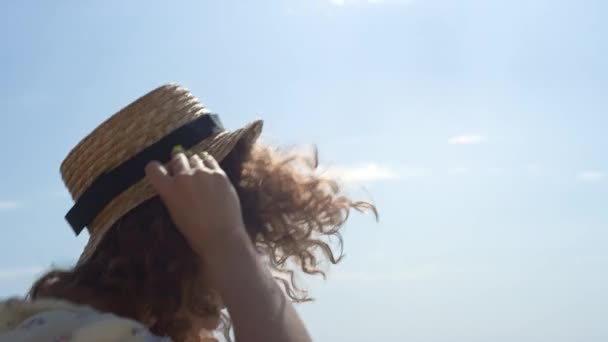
x: 145, y: 268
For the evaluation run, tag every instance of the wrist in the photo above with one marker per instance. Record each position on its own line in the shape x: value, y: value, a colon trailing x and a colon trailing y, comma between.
x: 224, y: 255
x: 218, y: 241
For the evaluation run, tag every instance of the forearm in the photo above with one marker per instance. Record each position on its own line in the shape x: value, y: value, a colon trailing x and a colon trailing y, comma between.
x: 257, y: 306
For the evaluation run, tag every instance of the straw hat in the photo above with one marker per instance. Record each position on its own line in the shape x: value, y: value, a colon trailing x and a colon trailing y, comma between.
x: 104, y: 173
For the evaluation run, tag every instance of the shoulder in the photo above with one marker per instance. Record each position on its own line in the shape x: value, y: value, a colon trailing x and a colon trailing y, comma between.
x: 14, y: 310
x: 24, y: 320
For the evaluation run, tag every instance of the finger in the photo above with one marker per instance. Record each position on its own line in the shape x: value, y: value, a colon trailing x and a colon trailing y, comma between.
x: 179, y: 164
x: 197, y: 163
x: 210, y: 162
x: 158, y: 176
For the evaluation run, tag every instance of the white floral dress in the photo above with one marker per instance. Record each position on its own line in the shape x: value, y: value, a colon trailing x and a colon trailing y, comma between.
x: 49, y: 320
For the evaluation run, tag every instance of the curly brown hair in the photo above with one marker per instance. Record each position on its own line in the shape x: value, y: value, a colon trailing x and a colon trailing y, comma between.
x: 145, y: 267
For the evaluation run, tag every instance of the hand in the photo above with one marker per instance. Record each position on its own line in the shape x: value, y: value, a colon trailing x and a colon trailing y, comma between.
x: 200, y: 198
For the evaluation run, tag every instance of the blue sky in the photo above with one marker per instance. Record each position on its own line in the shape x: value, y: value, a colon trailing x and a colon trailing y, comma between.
x: 477, y: 127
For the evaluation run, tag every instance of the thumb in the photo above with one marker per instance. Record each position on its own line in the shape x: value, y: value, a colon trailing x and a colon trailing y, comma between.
x: 159, y: 177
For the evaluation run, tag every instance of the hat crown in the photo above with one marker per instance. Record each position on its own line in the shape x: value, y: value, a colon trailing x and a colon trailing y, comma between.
x: 135, y: 127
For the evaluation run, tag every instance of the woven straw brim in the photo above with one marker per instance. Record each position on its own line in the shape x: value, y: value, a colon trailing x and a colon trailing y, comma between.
x: 126, y: 133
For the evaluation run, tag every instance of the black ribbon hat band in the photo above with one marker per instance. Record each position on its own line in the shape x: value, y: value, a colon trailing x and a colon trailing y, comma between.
x: 112, y: 183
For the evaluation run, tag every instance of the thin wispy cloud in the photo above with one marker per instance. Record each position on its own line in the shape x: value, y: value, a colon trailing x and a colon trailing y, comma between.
x: 591, y: 176
x: 378, y: 277
x: 337, y: 2
x: 418, y: 273
x: 363, y: 173
x: 9, y: 205
x: 371, y: 172
x: 412, y: 172
x: 466, y: 139
x: 18, y: 273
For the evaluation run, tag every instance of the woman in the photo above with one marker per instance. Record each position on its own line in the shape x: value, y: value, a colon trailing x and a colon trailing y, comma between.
x: 185, y: 219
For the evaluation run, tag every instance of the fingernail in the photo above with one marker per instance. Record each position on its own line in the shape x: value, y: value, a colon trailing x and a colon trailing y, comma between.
x: 177, y: 149
x: 150, y: 165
